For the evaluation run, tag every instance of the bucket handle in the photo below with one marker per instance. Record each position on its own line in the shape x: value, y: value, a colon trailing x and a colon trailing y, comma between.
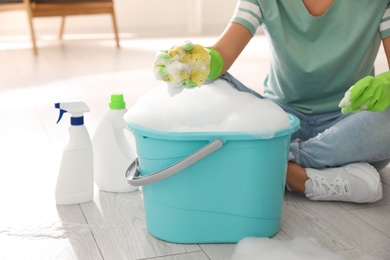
x: 133, y: 173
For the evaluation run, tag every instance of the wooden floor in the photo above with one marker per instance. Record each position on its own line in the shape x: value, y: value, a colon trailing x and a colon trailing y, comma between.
x: 113, y: 225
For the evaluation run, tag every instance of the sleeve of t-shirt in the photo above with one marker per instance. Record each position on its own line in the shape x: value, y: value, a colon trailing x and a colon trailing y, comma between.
x: 248, y: 14
x: 384, y: 27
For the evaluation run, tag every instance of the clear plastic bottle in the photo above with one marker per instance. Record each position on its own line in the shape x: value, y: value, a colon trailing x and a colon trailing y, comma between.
x: 111, y: 149
x: 75, y: 178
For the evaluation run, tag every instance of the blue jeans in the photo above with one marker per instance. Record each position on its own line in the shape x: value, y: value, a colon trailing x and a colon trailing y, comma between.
x: 334, y: 139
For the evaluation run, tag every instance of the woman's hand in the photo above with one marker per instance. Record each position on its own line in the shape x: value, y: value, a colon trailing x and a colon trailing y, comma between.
x: 187, y: 65
x: 370, y: 93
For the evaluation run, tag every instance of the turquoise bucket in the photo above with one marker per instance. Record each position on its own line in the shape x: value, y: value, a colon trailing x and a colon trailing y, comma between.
x: 214, y: 187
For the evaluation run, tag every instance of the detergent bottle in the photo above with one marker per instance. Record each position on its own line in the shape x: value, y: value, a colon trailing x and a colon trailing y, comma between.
x: 112, y: 151
x: 75, y: 178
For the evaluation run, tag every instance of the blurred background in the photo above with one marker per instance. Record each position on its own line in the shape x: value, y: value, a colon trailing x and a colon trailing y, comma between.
x: 134, y: 18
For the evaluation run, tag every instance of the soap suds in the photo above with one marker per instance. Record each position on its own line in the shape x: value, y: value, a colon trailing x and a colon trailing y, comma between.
x: 215, y: 107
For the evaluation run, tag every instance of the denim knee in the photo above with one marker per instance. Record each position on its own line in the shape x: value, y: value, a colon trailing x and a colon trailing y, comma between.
x: 361, y: 137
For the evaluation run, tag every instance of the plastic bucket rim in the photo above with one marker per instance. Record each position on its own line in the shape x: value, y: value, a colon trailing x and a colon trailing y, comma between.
x: 168, y: 135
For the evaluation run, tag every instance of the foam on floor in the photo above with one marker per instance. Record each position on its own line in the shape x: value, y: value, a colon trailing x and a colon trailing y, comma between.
x: 299, y: 248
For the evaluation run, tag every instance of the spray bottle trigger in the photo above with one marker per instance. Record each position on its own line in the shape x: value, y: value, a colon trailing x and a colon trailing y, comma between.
x: 62, y: 111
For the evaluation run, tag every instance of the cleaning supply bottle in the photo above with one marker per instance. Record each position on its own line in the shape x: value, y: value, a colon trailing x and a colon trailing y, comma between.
x: 112, y: 151
x: 75, y: 178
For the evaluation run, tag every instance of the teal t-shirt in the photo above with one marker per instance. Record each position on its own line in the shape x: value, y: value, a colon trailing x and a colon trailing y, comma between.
x: 315, y: 59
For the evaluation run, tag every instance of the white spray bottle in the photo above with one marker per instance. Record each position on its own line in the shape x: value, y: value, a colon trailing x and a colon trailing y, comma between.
x: 75, y: 178
x: 112, y: 152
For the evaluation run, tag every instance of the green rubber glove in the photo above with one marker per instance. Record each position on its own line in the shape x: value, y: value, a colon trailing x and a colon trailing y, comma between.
x: 370, y: 93
x: 187, y: 65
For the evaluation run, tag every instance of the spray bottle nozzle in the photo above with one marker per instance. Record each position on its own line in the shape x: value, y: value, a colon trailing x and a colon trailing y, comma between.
x: 76, y: 108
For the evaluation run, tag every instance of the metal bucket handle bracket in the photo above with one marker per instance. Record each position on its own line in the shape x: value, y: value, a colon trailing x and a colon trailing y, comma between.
x: 133, y: 173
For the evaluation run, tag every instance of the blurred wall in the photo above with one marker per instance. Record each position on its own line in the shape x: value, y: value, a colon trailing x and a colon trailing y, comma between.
x: 136, y: 17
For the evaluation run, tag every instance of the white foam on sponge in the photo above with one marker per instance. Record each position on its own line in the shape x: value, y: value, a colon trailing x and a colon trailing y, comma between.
x: 299, y: 248
x: 215, y: 107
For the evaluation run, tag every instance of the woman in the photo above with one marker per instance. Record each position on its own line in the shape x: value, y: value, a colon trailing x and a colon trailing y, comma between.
x: 319, y: 49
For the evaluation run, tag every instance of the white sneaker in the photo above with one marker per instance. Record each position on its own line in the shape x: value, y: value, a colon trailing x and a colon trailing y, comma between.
x: 355, y: 182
